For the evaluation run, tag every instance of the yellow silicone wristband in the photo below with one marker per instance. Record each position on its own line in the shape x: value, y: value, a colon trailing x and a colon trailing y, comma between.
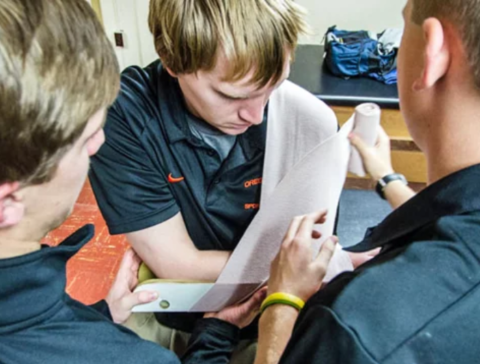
x: 283, y: 299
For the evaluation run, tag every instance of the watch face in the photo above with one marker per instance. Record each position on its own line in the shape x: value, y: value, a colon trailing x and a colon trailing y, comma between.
x: 393, y: 177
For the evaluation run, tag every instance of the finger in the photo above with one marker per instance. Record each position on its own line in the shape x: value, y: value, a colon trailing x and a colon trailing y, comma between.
x: 316, y: 234
x: 132, y: 281
x: 126, y: 263
x: 262, y: 293
x: 292, y: 230
x: 134, y: 267
x: 359, y: 144
x: 127, y: 258
x: 305, y: 229
x: 325, y: 255
x: 383, y: 138
x: 137, y: 298
x: 374, y: 252
x: 264, y: 289
x: 254, y: 302
x: 320, y: 216
x: 136, y: 261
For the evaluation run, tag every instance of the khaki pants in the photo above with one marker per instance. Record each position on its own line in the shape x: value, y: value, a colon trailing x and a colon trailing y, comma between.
x: 147, y: 327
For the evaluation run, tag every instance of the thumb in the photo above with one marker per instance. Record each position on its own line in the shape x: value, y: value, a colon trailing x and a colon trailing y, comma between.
x: 359, y: 144
x: 256, y: 300
x: 326, y: 253
x: 138, y: 298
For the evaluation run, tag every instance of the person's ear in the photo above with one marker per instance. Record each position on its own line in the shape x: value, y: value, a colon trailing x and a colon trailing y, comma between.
x: 437, y: 55
x: 171, y: 73
x: 12, y: 208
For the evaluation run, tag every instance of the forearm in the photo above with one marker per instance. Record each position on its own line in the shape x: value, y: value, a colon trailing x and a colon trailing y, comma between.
x: 192, y: 265
x: 275, y: 329
x: 397, y: 193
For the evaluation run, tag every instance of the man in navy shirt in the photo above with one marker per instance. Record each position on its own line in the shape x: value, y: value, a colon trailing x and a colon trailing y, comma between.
x: 418, y: 300
x: 58, y: 74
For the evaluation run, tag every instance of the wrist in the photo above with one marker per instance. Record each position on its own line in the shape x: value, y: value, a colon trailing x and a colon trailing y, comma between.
x: 283, y: 311
x: 283, y: 299
x: 378, y: 176
x: 387, y: 180
x: 393, y: 184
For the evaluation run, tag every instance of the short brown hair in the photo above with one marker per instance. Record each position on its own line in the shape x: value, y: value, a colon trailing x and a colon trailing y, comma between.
x: 57, y: 69
x: 464, y: 15
x: 253, y: 35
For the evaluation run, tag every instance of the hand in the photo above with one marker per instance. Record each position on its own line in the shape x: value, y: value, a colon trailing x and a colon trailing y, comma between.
x: 360, y: 258
x: 121, y: 299
x: 293, y: 270
x: 241, y: 315
x: 376, y: 159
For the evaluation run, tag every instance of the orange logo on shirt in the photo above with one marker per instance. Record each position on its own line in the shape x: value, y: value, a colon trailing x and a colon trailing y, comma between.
x: 252, y: 206
x: 253, y: 182
x: 172, y: 179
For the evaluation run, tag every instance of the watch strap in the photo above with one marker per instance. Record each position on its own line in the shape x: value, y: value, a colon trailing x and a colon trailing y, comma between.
x: 384, y: 181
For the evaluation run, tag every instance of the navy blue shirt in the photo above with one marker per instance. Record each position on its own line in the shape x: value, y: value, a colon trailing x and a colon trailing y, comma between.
x: 148, y: 139
x: 41, y: 324
x: 418, y: 301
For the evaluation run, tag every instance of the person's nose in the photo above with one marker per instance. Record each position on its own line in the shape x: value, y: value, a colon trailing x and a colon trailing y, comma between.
x: 252, y: 111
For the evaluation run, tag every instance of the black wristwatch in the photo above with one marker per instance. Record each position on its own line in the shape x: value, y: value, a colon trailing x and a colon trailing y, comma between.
x: 383, y: 182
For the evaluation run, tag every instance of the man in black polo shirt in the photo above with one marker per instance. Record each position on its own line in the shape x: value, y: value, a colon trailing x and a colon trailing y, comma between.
x: 418, y: 300
x: 181, y: 170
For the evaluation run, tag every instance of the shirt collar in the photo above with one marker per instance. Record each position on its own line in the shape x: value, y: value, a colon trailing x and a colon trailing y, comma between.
x: 254, y: 139
x: 455, y: 194
x: 33, y: 285
x: 172, y: 109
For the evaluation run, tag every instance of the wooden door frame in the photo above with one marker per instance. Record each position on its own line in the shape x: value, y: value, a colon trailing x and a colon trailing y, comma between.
x: 96, y: 6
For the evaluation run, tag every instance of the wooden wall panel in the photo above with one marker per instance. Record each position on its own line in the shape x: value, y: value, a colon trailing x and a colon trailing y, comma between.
x: 406, y: 157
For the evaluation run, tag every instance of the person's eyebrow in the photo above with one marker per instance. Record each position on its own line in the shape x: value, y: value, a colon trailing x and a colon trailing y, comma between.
x: 246, y: 96
x: 233, y: 97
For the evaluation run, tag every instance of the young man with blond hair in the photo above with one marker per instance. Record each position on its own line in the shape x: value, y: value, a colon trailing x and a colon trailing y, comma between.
x: 180, y: 173
x: 58, y: 74
x: 418, y: 300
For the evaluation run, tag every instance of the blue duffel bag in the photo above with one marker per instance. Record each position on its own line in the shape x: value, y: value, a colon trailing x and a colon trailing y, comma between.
x: 356, y: 53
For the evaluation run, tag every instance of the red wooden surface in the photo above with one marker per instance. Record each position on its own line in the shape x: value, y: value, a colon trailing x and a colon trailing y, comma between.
x: 91, y: 271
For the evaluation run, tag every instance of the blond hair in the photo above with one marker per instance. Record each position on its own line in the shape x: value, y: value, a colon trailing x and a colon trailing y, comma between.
x: 57, y: 69
x: 252, y: 34
x: 464, y: 15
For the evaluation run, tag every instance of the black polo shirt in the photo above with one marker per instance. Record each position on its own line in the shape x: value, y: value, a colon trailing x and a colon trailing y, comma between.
x: 416, y: 302
x: 152, y: 166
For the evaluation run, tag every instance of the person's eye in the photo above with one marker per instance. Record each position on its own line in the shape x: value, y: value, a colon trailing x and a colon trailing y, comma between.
x: 229, y: 98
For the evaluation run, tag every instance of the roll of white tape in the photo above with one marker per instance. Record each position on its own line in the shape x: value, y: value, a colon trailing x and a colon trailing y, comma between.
x: 366, y: 123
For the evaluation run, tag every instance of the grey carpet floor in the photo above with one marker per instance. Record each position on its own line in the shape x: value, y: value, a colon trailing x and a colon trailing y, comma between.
x: 359, y: 210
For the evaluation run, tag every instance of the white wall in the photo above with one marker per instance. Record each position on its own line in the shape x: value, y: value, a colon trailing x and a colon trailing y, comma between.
x: 374, y: 15
x: 130, y: 17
